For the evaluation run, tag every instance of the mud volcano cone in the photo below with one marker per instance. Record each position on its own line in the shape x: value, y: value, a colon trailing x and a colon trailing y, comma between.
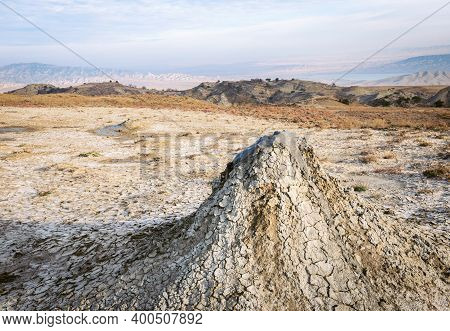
x: 278, y: 233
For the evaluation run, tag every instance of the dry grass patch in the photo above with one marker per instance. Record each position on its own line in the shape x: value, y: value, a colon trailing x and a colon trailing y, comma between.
x: 154, y: 101
x: 389, y: 155
x: 64, y: 167
x: 355, y: 117
x: 425, y: 191
x: 359, y: 188
x: 368, y: 157
x: 439, y: 171
x: 69, y: 169
x: 398, y: 137
x: 377, y: 123
x: 423, y: 143
x: 308, y: 116
x: 17, y: 155
x: 89, y: 154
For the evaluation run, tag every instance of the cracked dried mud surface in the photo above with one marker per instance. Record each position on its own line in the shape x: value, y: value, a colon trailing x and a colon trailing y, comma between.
x: 112, y: 221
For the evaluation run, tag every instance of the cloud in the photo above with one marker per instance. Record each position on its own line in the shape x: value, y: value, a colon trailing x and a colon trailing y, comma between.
x: 191, y: 32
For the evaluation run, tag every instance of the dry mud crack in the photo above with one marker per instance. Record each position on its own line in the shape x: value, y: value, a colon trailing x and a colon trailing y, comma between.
x: 276, y: 233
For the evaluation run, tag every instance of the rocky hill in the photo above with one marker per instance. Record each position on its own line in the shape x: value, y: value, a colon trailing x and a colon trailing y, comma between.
x: 441, y: 99
x: 108, y: 88
x: 35, y: 89
x: 295, y: 92
x: 390, y: 96
x: 264, y: 92
x: 258, y: 91
x: 88, y: 89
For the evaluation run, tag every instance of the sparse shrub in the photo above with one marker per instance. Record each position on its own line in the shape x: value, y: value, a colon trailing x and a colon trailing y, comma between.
x: 359, y: 188
x: 416, y: 99
x: 6, y: 277
x: 400, y: 137
x: 344, y: 101
x: 402, y: 101
x: 444, y: 155
x: 376, y: 123
x: 44, y: 193
x: 439, y: 104
x: 425, y: 191
x: 381, y: 102
x: 89, y: 154
x: 388, y: 155
x: 367, y: 157
x: 438, y: 171
x: 423, y: 143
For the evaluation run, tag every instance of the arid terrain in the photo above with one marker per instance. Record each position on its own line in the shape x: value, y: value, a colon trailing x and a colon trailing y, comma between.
x: 97, y: 172
x: 41, y: 148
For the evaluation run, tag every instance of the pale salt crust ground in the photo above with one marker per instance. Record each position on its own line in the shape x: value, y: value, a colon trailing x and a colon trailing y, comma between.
x: 45, y: 181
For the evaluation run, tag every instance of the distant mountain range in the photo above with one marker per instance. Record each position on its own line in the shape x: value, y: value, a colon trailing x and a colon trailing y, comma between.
x: 29, y: 73
x: 423, y: 78
x: 324, y: 72
x: 411, y: 65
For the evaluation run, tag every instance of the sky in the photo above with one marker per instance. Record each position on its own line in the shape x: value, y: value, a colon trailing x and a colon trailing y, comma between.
x: 166, y: 35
